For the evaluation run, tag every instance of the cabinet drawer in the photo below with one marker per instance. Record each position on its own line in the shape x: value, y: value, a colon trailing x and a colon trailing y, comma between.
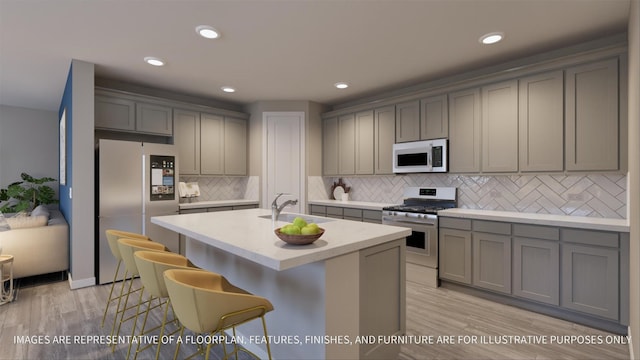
x: 242, y: 207
x: 454, y: 223
x: 352, y: 214
x: 193, y: 211
x: 334, y: 212
x: 319, y: 210
x: 536, y: 231
x: 372, y: 216
x: 219, y: 208
x: 492, y: 227
x: 590, y: 237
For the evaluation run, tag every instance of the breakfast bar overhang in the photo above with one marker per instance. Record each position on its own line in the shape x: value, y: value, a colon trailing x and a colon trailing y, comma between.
x: 341, y: 297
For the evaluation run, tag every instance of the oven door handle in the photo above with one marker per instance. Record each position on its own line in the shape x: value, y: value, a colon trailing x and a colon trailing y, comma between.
x: 402, y: 221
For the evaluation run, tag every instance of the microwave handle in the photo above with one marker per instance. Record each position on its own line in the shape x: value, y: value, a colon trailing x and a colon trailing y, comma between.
x: 430, y: 156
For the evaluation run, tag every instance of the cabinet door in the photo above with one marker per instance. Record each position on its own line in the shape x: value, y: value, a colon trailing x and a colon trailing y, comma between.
x: 154, y: 119
x: 541, y: 122
x: 114, y: 113
x: 187, y: 140
x: 536, y: 269
x: 211, y: 144
x: 590, y: 281
x: 330, y: 146
x: 385, y: 137
x: 464, y: 131
x: 500, y: 127
x: 492, y: 262
x: 235, y: 146
x: 347, y: 144
x: 455, y: 255
x: 592, y: 141
x: 408, y: 121
x: 364, y: 143
x: 434, y: 117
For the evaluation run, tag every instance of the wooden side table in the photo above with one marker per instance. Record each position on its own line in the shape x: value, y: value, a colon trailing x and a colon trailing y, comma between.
x: 6, y: 262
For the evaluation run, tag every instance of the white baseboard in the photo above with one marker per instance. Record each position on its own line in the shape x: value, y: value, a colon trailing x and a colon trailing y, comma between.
x: 630, y: 337
x: 77, y: 284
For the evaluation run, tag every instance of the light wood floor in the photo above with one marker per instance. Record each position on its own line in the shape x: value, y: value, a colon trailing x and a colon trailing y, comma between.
x: 53, y: 309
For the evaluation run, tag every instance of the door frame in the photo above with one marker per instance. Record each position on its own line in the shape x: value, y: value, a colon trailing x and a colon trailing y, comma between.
x: 302, y: 201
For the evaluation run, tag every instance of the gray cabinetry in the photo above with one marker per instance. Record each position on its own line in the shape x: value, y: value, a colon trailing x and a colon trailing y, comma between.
x: 536, y: 263
x: 235, y: 146
x: 330, y: 146
x: 500, y: 127
x: 541, y: 122
x: 364, y: 143
x: 592, y: 126
x: 384, y: 138
x: 346, y: 213
x: 115, y: 113
x: 454, y: 250
x: 464, y: 131
x: 211, y: 144
x: 434, y: 117
x: 154, y: 119
x: 492, y: 256
x: 347, y: 144
x: 590, y: 274
x: 187, y: 140
x: 408, y: 121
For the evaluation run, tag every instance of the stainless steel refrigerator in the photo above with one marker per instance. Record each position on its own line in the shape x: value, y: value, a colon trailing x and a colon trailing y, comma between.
x: 135, y: 181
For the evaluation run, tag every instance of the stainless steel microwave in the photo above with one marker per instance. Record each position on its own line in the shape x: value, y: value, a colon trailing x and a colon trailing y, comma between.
x: 420, y: 156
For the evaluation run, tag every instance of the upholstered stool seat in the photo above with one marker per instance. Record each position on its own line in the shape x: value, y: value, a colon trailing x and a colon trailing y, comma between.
x: 206, y: 303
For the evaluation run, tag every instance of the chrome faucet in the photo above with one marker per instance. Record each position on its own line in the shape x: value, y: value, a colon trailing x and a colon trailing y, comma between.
x: 276, y: 210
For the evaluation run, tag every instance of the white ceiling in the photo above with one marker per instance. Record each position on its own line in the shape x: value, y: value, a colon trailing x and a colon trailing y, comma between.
x: 279, y: 50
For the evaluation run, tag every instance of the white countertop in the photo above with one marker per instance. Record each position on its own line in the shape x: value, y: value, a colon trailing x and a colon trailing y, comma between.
x: 583, y: 222
x: 352, y: 204
x: 245, y: 234
x: 217, y: 203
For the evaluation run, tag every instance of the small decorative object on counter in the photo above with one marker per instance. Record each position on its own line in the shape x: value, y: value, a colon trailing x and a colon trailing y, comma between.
x: 299, y: 232
x: 339, y: 189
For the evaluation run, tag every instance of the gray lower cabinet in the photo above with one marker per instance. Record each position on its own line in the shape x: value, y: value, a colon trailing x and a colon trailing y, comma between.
x: 590, y: 274
x: 536, y: 265
x: 364, y: 215
x: 455, y: 255
x: 492, y: 262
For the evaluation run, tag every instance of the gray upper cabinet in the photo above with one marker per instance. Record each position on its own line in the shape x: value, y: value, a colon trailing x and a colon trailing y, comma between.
x: 347, y: 144
x: 212, y: 144
x: 154, y: 119
x: 500, y: 127
x: 235, y: 146
x: 592, y: 125
x: 464, y: 131
x: 187, y: 140
x: 330, y: 146
x: 114, y: 113
x: 385, y: 136
x: 408, y: 121
x: 434, y: 117
x: 364, y: 137
x: 541, y: 120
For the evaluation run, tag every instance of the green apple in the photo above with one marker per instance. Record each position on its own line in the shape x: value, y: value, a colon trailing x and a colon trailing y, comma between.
x: 290, y: 230
x: 299, y: 222
x: 309, y: 230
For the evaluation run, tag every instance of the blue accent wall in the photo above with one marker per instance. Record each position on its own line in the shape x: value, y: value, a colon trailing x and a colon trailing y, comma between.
x: 63, y: 190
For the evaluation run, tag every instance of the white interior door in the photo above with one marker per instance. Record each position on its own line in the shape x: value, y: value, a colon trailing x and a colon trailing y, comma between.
x: 283, y: 158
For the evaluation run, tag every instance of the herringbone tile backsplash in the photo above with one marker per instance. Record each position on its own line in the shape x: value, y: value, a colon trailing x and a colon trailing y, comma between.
x: 595, y: 195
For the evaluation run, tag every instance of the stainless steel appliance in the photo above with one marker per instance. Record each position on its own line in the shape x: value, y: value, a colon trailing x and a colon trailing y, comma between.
x: 419, y: 212
x: 135, y: 181
x: 420, y: 156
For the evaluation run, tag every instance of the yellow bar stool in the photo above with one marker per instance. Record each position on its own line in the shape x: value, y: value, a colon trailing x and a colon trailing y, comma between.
x: 151, y: 266
x: 127, y: 248
x: 206, y: 303
x: 112, y: 239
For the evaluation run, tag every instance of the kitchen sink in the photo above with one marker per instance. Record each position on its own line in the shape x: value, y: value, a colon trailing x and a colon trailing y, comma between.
x: 288, y: 217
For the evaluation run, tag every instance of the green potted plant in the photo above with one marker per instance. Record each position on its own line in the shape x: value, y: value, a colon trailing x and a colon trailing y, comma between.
x: 25, y: 195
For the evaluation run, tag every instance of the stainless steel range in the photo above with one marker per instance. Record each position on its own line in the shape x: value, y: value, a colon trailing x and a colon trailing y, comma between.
x: 419, y: 212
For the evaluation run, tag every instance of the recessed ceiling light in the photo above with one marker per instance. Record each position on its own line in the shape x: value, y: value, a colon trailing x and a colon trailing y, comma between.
x: 154, y: 61
x: 491, y: 38
x: 228, y: 89
x: 341, y: 85
x: 207, y: 31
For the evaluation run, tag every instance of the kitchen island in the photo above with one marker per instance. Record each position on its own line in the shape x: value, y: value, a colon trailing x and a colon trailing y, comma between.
x: 342, y: 297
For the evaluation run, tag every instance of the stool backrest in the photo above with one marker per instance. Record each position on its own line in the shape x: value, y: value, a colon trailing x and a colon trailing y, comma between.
x: 112, y: 239
x: 151, y: 266
x: 129, y: 246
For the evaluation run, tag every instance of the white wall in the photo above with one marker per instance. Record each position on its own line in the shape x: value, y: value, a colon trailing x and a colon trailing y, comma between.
x: 28, y: 143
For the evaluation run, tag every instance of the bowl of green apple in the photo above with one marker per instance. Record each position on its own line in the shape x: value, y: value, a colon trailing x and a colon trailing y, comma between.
x: 299, y: 232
